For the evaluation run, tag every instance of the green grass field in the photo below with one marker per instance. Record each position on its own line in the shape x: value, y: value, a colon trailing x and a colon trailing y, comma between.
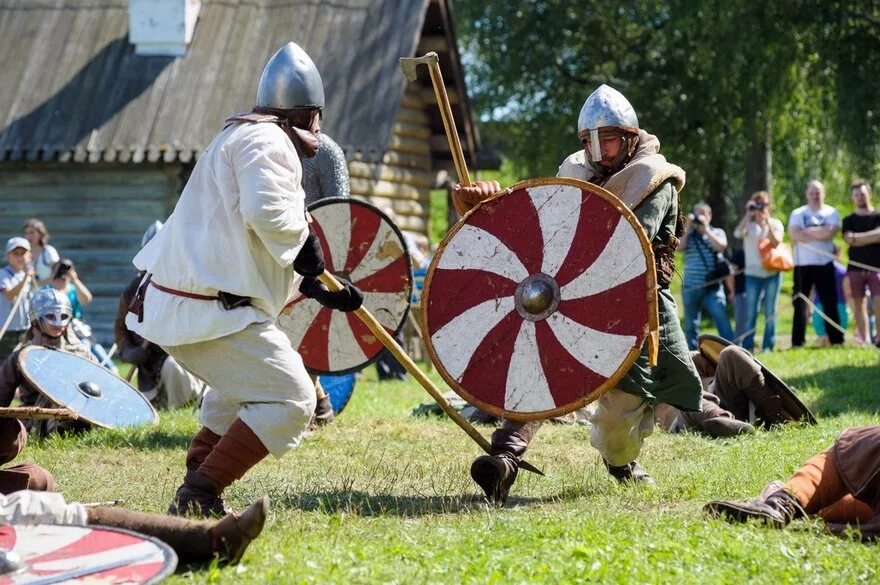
x: 380, y: 496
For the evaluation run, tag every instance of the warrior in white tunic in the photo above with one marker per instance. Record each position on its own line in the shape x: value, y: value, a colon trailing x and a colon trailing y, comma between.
x: 234, y: 252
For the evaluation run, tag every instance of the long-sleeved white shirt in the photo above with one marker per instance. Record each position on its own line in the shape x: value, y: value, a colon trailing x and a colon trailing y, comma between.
x: 238, y: 226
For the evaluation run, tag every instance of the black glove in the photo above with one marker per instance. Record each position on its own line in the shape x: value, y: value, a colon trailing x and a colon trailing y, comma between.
x: 310, y: 260
x: 348, y: 299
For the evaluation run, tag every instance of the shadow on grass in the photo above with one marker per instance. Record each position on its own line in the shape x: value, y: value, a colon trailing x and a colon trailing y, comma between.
x: 366, y: 504
x: 841, y: 389
x: 152, y: 438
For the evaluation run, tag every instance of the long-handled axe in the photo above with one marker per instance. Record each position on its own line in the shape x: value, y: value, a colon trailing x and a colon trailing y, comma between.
x: 408, y: 65
x: 416, y: 372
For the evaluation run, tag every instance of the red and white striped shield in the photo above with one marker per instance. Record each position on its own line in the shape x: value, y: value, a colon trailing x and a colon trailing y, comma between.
x: 53, y: 553
x: 362, y: 245
x: 540, y: 299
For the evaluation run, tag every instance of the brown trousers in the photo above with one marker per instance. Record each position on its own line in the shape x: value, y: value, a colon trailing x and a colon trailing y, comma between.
x: 818, y: 487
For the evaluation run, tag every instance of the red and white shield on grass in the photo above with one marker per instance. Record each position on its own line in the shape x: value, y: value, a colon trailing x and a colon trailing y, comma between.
x: 362, y: 245
x: 540, y: 299
x: 52, y: 553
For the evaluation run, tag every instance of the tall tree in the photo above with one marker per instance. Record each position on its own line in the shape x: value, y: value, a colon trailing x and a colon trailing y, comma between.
x: 744, y: 95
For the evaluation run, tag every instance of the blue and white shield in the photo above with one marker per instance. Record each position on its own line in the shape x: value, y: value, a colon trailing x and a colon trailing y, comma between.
x: 93, y: 392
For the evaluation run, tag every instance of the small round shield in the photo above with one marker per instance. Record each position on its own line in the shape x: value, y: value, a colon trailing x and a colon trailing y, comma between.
x: 53, y: 553
x: 539, y: 300
x: 93, y: 392
x: 339, y: 389
x: 362, y: 245
x: 793, y: 408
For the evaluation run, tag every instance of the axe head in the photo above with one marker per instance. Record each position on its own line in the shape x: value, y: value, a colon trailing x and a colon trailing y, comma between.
x: 408, y: 64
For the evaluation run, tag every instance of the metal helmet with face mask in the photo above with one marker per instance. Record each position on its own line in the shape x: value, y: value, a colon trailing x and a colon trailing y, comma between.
x: 607, y: 109
x: 51, y: 306
x: 290, y: 81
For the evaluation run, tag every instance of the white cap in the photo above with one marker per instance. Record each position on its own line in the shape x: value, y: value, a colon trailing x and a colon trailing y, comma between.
x: 17, y: 242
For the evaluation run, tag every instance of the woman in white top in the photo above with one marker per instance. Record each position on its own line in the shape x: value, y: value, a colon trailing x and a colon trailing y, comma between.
x: 44, y: 255
x: 757, y: 225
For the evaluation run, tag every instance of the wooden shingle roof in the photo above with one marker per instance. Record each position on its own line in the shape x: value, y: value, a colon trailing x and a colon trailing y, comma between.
x: 71, y: 87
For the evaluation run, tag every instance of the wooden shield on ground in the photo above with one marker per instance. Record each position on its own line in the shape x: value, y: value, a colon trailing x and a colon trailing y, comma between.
x: 53, y: 553
x: 540, y: 299
x: 339, y: 389
x: 792, y: 407
x: 363, y: 246
x: 97, y: 395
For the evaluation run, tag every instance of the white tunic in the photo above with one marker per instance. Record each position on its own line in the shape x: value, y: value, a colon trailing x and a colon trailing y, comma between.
x: 239, y: 224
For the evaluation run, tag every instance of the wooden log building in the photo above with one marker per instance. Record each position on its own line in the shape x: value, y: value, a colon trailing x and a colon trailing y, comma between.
x: 101, y: 122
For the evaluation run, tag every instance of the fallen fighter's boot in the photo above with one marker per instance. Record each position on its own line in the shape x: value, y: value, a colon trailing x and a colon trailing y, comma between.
x: 496, y: 472
x: 632, y: 472
x: 777, y: 509
x: 722, y: 426
x: 198, y: 496
x: 768, y: 411
x: 192, y: 540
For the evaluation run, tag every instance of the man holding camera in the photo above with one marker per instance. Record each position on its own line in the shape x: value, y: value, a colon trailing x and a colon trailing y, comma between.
x: 704, y: 272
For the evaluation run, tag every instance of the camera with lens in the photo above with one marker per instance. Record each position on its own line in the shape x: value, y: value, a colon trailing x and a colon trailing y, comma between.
x: 752, y: 206
x: 64, y: 266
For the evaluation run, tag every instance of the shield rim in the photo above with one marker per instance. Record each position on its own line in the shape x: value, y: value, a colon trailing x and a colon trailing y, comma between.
x: 399, y: 233
x: 171, y: 558
x: 775, y: 380
x: 30, y: 380
x: 632, y: 356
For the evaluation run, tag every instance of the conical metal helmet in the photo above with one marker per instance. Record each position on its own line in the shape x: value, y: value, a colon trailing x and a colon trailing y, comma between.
x: 605, y: 107
x: 51, y: 305
x: 290, y: 80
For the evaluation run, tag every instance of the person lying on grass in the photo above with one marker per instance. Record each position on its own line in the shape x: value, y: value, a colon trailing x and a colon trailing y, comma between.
x: 841, y: 485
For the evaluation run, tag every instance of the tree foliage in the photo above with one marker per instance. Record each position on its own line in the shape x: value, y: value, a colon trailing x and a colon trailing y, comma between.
x: 727, y: 86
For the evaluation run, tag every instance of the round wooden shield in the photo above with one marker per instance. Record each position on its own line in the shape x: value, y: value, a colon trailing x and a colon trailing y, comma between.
x: 362, y: 245
x: 539, y: 300
x: 53, y: 553
x: 339, y: 389
x: 97, y: 395
x: 792, y: 406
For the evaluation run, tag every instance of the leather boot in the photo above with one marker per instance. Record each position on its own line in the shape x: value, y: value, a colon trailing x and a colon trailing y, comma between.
x: 193, y: 540
x: 199, y: 496
x: 723, y: 426
x: 323, y: 412
x: 496, y: 472
x: 768, y: 411
x: 631, y: 472
x: 233, y: 533
x: 777, y: 509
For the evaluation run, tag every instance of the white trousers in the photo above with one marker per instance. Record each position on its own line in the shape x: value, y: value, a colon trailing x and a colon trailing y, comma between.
x: 620, y: 422
x: 176, y: 386
x: 30, y: 507
x: 257, y: 376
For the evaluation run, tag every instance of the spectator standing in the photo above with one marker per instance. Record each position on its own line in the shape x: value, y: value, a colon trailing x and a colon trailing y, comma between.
x: 757, y: 225
x: 843, y: 298
x: 812, y: 228
x: 44, y: 255
x: 738, y: 293
x: 13, y: 283
x: 861, y: 230
x: 703, y: 288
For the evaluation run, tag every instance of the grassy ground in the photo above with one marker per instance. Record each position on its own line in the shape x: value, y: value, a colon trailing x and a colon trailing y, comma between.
x: 380, y: 496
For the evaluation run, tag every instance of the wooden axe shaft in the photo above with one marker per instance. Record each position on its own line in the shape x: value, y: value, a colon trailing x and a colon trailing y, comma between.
x: 431, y: 60
x: 36, y: 413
